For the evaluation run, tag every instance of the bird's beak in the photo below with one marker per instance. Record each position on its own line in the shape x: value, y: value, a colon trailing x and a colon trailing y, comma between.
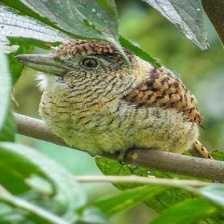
x: 43, y: 62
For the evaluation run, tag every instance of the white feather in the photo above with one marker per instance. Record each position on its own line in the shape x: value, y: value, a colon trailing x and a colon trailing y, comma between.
x: 42, y: 81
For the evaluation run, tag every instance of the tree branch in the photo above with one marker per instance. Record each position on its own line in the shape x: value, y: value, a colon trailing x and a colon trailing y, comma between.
x: 166, y: 161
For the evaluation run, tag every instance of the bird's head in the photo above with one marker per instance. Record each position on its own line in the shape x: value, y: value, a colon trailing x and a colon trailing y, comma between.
x: 97, y: 64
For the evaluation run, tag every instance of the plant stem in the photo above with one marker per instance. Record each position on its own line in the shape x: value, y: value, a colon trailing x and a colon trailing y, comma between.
x: 141, y: 180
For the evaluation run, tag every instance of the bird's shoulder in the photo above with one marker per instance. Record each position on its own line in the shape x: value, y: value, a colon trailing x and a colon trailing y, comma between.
x: 163, y: 89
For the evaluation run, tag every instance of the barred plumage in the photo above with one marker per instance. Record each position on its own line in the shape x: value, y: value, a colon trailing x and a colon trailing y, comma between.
x: 97, y: 102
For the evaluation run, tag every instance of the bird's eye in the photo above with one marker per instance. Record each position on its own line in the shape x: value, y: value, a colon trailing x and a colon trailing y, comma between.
x: 89, y: 63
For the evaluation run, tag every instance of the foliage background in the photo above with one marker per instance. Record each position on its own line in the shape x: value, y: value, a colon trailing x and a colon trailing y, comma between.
x: 202, y: 71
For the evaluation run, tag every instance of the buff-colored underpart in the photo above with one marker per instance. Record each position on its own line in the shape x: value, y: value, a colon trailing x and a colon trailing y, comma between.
x: 91, y: 113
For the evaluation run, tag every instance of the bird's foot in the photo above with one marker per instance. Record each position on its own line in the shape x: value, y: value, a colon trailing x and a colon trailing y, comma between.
x: 201, y: 150
x: 121, y: 157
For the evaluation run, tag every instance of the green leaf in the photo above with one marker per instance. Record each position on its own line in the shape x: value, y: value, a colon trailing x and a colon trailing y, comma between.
x: 80, y: 19
x: 22, y: 9
x: 160, y: 201
x: 12, y: 24
x: 5, y: 88
x: 215, y: 219
x: 139, y: 52
x: 126, y: 199
x: 24, y: 45
x: 7, y: 127
x: 218, y: 154
x: 214, y: 192
x: 25, y: 170
x: 168, y: 198
x: 16, y: 68
x: 109, y: 6
x: 91, y: 216
x: 215, y: 12
x: 187, y: 15
x: 85, y: 18
x: 35, y: 211
x: 186, y: 212
x: 113, y: 167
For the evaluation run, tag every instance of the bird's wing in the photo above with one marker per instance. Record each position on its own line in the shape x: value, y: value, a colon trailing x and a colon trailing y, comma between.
x: 162, y: 89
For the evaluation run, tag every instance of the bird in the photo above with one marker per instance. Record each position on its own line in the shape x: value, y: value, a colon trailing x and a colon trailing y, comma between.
x: 98, y: 101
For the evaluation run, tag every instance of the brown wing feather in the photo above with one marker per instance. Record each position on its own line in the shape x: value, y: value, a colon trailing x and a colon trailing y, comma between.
x: 163, y: 90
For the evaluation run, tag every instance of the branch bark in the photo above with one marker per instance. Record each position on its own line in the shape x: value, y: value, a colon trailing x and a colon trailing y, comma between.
x: 166, y: 161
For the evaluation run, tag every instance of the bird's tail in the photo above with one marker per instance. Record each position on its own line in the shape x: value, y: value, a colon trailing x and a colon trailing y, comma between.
x: 200, y: 149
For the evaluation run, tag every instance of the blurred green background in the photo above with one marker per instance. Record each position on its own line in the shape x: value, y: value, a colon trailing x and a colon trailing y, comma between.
x: 201, y: 71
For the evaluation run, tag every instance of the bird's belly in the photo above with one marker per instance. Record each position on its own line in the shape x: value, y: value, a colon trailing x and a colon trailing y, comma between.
x: 164, y: 129
x: 156, y: 128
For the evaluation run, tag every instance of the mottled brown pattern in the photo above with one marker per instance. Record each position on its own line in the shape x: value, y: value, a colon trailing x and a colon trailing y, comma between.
x: 84, y: 47
x: 163, y: 90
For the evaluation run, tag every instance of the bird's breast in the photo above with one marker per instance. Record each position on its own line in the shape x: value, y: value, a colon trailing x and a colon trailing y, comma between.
x: 99, y: 124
